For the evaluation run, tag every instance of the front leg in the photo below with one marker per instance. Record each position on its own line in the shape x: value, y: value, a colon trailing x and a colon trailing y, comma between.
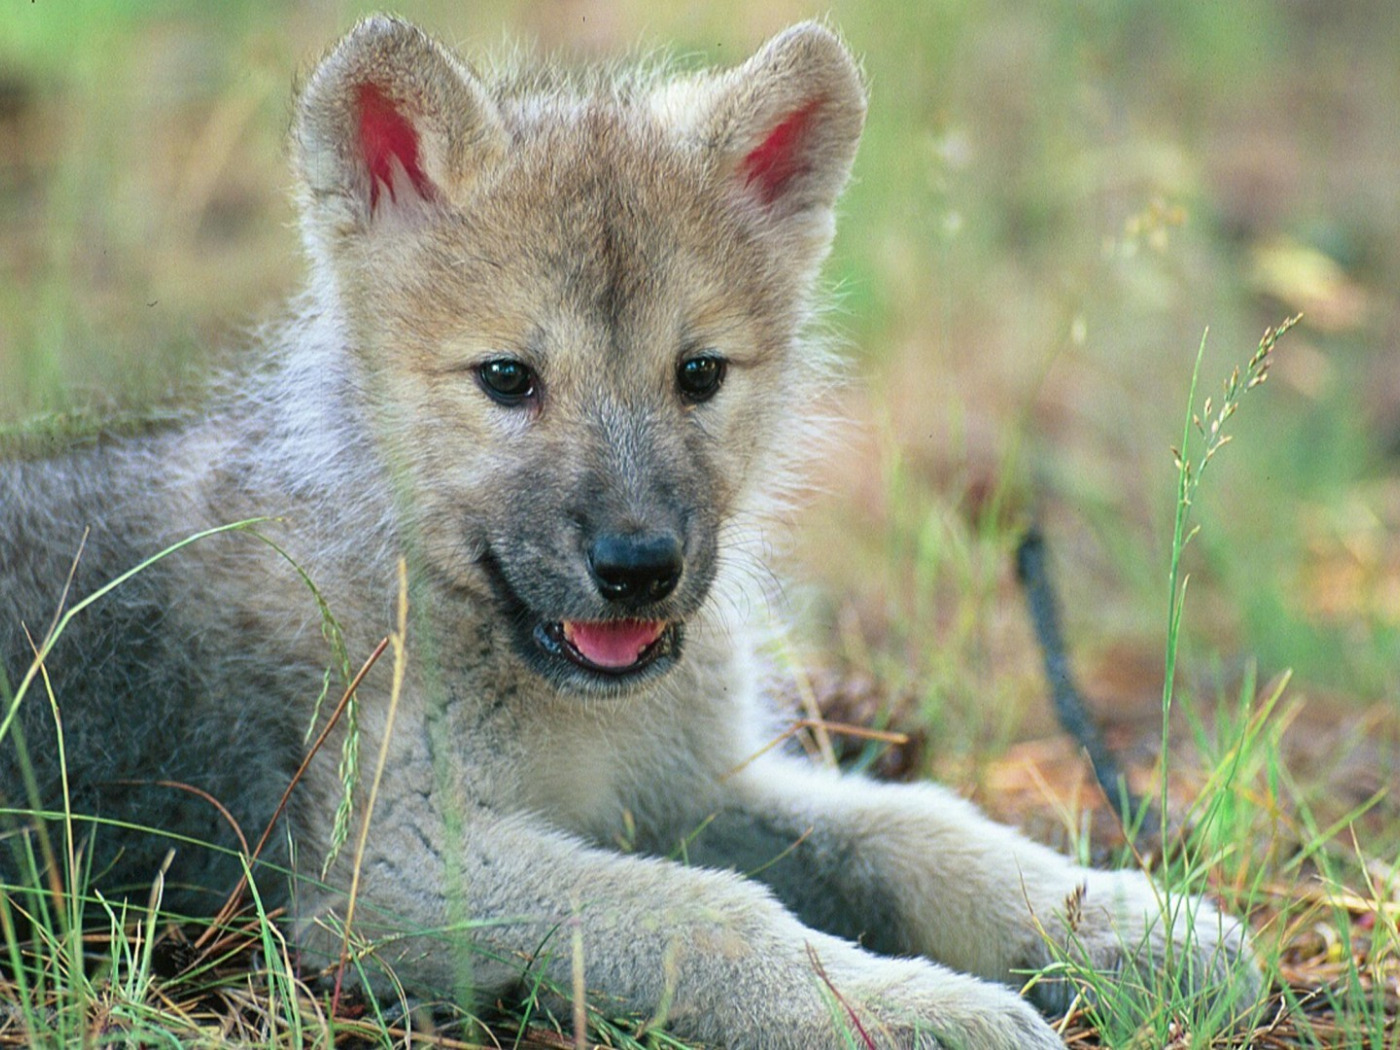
x: 914, y: 869
x: 714, y: 955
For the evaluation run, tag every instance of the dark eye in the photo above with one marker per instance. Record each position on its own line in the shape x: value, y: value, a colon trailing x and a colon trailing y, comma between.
x: 700, y: 377
x: 507, y: 382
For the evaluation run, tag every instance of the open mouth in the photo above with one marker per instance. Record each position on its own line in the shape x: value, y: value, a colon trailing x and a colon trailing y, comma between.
x: 610, y: 647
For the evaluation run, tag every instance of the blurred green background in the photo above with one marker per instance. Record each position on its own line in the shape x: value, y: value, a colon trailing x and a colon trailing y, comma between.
x: 1052, y: 203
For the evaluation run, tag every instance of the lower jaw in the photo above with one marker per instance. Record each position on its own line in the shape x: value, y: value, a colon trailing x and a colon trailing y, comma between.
x: 549, y: 642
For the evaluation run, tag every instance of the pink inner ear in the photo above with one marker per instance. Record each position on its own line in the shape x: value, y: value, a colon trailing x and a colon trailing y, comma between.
x: 780, y: 157
x: 385, y: 134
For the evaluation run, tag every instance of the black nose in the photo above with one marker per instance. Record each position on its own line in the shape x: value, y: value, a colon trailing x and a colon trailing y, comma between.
x: 639, y: 566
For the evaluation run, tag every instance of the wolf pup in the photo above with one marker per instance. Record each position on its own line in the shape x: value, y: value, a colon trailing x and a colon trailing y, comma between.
x: 554, y: 354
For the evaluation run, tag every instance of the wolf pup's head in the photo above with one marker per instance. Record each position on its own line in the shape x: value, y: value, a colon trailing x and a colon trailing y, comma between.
x: 576, y: 310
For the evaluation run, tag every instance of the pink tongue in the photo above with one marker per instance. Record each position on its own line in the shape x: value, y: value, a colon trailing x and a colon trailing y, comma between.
x: 612, y: 643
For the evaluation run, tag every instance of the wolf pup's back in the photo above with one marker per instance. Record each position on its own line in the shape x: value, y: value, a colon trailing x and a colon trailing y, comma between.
x: 555, y: 354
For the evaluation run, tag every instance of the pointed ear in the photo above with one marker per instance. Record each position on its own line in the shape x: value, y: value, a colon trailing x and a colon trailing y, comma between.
x: 783, y: 128
x: 389, y: 125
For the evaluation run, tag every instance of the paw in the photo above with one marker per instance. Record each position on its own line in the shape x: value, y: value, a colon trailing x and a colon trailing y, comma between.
x: 907, y: 1004
x: 1151, y: 946
x: 805, y: 990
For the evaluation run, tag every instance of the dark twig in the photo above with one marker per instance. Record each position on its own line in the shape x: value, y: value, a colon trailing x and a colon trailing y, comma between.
x: 1140, y: 820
